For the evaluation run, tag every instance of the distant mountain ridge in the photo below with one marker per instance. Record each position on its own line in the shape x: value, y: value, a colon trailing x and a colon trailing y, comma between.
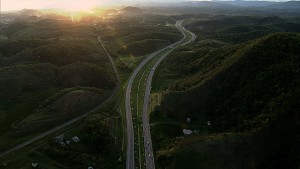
x: 286, y: 5
x: 252, y: 3
x: 131, y: 9
x: 238, y: 3
x: 29, y: 12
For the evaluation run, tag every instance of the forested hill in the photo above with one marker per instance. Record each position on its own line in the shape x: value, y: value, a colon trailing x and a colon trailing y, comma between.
x: 243, y: 87
x: 250, y: 93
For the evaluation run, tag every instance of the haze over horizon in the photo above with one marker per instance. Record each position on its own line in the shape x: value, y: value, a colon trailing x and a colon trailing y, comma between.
x: 10, y: 5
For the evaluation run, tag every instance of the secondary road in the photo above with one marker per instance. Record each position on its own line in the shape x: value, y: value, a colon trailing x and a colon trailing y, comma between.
x: 110, y: 58
x: 139, y: 149
x: 2, y: 154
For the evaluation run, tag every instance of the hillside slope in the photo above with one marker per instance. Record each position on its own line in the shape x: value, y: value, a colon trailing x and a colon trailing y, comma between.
x: 252, y: 88
x: 239, y: 82
x: 37, y: 69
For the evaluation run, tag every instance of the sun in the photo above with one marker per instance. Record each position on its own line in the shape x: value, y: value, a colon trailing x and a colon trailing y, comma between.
x: 78, y: 5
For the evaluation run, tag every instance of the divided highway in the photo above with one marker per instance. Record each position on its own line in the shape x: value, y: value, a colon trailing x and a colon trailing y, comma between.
x: 139, y: 144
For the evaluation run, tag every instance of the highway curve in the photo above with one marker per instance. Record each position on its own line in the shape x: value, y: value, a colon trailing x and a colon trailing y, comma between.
x: 139, y: 144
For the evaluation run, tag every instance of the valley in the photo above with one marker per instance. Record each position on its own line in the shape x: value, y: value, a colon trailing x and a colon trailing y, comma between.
x: 198, y: 84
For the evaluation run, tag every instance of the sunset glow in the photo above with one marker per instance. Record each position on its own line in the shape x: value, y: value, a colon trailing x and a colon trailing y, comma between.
x: 68, y: 5
x: 80, y: 5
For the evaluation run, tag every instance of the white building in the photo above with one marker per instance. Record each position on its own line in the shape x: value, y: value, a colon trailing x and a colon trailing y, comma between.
x: 76, y: 139
x: 187, y: 132
x: 188, y: 120
x: 34, y: 165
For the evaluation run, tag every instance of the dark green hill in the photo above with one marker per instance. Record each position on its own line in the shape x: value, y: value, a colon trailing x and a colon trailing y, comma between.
x: 15, y: 27
x: 253, y: 89
x: 131, y: 9
x: 240, y: 29
x: 59, y: 54
x: 8, y: 48
x: 239, y: 85
x: 42, y: 61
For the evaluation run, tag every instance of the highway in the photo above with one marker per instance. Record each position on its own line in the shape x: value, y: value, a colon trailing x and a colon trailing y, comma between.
x: 139, y: 148
x: 42, y: 135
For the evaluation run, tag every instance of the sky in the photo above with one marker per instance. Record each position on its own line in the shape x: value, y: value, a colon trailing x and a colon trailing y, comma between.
x: 8, y: 5
x: 72, y: 5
